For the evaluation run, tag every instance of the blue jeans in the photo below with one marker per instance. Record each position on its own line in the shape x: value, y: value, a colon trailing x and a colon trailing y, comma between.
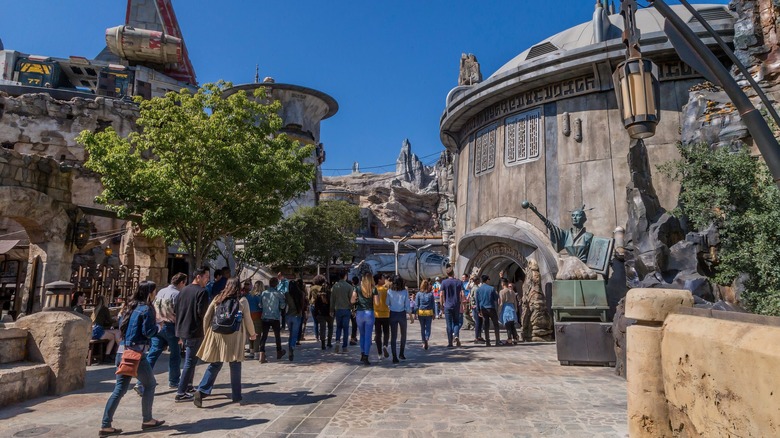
x: 436, y: 307
x: 397, y: 321
x: 342, y: 325
x: 294, y: 323
x: 452, y: 317
x: 365, y: 324
x: 190, y: 360
x: 425, y: 327
x: 146, y: 376
x: 207, y: 382
x: 167, y: 337
x: 477, y: 323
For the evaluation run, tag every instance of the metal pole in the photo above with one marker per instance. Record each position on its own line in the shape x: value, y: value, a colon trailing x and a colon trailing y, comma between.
x: 395, y: 245
x: 417, y: 254
x: 753, y: 119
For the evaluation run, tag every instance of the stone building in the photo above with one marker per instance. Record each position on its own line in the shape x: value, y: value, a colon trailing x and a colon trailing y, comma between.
x: 50, y: 226
x: 546, y: 128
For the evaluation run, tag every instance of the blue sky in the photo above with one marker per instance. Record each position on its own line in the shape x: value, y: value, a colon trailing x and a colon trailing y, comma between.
x: 389, y: 64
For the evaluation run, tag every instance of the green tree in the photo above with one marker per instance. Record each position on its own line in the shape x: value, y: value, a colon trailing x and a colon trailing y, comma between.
x: 201, y: 166
x: 735, y: 192
x: 310, y: 236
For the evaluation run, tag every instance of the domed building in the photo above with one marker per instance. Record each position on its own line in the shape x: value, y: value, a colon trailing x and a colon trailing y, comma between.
x: 546, y: 128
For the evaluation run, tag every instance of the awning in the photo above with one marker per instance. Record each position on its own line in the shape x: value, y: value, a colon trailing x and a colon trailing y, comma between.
x: 7, y: 245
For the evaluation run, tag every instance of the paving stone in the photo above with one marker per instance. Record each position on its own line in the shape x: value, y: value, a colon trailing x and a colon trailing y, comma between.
x: 471, y: 391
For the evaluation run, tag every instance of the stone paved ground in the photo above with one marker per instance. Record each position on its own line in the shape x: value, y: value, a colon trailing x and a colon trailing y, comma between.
x: 475, y: 391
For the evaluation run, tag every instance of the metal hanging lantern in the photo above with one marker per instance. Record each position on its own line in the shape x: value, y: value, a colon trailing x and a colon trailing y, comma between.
x: 82, y: 233
x: 638, y: 96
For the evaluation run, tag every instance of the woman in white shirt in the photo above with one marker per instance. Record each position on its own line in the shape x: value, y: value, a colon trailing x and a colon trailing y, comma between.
x: 398, y: 302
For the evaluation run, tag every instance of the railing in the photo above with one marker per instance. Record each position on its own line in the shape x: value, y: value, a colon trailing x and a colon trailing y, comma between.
x: 115, y: 283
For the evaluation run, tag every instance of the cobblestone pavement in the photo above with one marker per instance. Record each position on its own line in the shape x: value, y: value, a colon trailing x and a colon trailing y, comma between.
x: 472, y: 390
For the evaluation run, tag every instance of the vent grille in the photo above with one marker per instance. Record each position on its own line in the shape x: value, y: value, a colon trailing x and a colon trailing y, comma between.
x: 540, y: 50
x: 713, y: 14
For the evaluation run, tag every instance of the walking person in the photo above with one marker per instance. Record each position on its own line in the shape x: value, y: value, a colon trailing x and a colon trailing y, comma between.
x: 283, y: 287
x: 340, y: 308
x: 398, y: 303
x: 220, y: 344
x: 487, y: 304
x: 272, y: 302
x: 425, y: 305
x: 139, y: 325
x: 507, y: 301
x: 381, y: 317
x: 253, y: 298
x: 353, y: 321
x: 451, y: 302
x: 321, y: 310
x: 190, y: 309
x: 365, y: 298
x: 311, y: 298
x: 478, y: 320
x: 164, y: 305
x: 294, y: 303
x: 437, y: 297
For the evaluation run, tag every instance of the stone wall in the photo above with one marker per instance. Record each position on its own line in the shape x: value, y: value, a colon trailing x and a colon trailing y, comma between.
x: 682, y: 381
x: 38, y: 124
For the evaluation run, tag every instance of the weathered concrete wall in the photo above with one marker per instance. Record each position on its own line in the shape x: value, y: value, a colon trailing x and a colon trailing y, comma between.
x: 683, y: 382
x: 721, y: 385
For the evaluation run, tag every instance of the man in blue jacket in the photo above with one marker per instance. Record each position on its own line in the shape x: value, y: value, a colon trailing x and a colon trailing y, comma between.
x: 487, y: 305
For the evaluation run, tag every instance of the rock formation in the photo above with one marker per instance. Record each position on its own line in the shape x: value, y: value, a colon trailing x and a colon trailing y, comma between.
x: 415, y: 198
x: 536, y: 324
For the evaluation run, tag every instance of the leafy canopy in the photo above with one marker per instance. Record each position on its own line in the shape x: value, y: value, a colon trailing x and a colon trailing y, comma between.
x: 310, y: 236
x: 735, y: 192
x: 201, y: 166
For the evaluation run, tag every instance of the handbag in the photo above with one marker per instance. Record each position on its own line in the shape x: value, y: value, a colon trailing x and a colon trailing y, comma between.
x: 129, y: 364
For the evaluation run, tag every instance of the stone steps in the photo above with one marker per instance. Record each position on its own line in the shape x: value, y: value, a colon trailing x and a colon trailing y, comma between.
x: 22, y: 381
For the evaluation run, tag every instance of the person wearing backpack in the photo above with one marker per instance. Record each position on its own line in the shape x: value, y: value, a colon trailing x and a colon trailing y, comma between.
x: 226, y: 330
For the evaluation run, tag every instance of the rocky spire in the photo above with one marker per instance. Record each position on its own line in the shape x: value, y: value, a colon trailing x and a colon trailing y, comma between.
x: 408, y: 166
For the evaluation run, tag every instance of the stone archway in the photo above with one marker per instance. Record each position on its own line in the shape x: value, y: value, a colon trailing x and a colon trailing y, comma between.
x: 521, y: 241
x: 48, y: 226
x: 500, y: 257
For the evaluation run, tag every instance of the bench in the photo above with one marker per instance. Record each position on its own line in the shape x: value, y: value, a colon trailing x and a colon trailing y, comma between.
x: 97, y: 351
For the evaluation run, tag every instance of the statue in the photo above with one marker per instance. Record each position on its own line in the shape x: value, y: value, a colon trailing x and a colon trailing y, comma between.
x: 576, y: 241
x: 355, y: 167
x: 469, y: 70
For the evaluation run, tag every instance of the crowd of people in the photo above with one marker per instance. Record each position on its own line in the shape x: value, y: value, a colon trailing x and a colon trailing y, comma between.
x: 223, y: 320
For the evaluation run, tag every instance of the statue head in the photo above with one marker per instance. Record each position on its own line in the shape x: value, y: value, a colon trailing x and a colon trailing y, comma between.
x: 578, y: 217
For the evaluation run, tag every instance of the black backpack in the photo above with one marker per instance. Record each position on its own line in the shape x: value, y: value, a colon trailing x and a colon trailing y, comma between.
x: 227, y: 317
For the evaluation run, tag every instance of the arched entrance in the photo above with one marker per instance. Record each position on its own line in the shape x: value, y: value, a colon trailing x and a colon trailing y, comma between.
x: 500, y: 258
x: 503, y: 242
x: 48, y: 226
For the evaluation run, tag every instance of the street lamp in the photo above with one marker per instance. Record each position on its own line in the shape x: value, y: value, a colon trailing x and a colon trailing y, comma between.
x: 395, y: 243
x: 636, y: 82
x: 417, y: 259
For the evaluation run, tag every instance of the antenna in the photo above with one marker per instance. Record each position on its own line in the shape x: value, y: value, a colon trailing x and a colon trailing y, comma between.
x: 257, y: 73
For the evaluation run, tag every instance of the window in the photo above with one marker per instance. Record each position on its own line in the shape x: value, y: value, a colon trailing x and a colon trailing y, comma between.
x: 523, y: 137
x: 485, y: 150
